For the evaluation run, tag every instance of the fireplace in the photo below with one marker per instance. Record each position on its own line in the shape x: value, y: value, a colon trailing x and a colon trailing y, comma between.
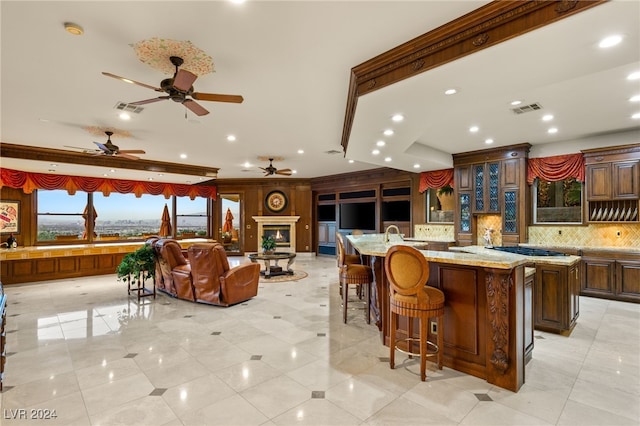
x: 280, y: 233
x: 283, y: 229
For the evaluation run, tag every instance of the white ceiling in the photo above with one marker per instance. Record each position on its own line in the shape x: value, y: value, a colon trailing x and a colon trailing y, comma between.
x: 291, y: 62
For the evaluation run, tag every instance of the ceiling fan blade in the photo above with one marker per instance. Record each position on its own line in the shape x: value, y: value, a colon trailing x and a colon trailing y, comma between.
x: 237, y: 99
x: 284, y: 172
x: 183, y: 80
x: 103, y: 147
x: 84, y: 150
x: 149, y: 101
x: 129, y: 156
x: 195, y: 107
x: 131, y: 151
x: 128, y: 80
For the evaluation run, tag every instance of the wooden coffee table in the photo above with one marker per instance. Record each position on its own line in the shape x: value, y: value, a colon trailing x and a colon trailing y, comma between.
x: 275, y: 270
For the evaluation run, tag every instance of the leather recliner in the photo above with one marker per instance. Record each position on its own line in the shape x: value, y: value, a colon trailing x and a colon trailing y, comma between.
x: 175, y: 270
x: 214, y: 282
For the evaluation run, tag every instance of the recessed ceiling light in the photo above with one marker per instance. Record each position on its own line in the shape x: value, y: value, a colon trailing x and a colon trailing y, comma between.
x: 294, y: 171
x: 634, y: 76
x: 397, y: 117
x: 53, y: 165
x: 488, y: 141
x: 231, y: 138
x: 124, y: 116
x: 351, y: 161
x: 636, y: 116
x: 416, y: 166
x: 547, y: 117
x: 188, y: 181
x: 160, y: 174
x: 237, y: 1
x: 183, y: 156
x: 112, y: 170
x: 301, y: 151
x: 72, y: 28
x: 388, y: 132
x: 381, y: 143
x: 387, y: 159
x: 610, y: 41
x: 44, y: 120
x: 514, y: 103
x: 552, y: 130
x: 150, y: 178
x: 450, y: 92
x: 105, y: 175
x: 375, y: 152
x: 247, y: 164
x: 474, y: 129
x: 634, y: 98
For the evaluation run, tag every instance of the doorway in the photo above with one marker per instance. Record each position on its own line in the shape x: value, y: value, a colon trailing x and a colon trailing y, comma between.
x: 230, y: 232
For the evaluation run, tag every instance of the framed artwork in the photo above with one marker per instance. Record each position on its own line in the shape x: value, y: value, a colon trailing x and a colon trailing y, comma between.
x: 276, y: 201
x: 9, y: 217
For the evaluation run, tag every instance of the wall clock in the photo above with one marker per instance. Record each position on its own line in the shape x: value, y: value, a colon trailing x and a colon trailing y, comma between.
x: 276, y: 201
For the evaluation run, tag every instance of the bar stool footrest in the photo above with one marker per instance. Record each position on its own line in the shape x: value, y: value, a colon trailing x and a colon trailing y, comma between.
x: 433, y: 346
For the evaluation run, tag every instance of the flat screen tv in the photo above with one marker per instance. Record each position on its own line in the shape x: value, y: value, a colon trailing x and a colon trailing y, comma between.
x: 358, y: 216
x: 326, y: 213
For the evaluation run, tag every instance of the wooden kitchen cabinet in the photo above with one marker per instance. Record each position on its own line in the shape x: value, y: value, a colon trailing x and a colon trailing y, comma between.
x: 492, y: 181
x: 327, y: 238
x: 613, y: 181
x: 611, y: 275
x: 529, y: 285
x: 556, y: 294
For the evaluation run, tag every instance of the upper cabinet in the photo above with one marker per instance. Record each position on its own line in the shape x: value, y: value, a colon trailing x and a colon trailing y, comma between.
x: 492, y: 181
x: 613, y: 183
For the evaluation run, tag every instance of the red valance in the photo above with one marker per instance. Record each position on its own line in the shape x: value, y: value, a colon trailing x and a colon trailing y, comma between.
x: 29, y: 181
x: 559, y: 167
x: 436, y: 179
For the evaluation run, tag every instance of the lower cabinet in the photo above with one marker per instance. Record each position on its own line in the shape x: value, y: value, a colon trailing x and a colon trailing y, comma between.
x: 556, y: 294
x: 327, y: 238
x: 611, y: 275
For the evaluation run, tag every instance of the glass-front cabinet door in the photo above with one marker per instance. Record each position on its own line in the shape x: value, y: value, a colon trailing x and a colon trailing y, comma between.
x: 230, y: 233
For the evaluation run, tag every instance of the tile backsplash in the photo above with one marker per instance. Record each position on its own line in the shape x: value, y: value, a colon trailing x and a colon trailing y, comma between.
x: 594, y: 235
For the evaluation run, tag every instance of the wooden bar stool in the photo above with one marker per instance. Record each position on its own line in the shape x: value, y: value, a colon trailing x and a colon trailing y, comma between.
x: 352, y: 272
x: 407, y: 272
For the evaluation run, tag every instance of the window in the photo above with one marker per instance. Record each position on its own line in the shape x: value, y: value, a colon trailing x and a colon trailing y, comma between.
x: 191, y: 217
x: 59, y: 215
x: 557, y: 202
x: 440, y: 205
x: 124, y: 216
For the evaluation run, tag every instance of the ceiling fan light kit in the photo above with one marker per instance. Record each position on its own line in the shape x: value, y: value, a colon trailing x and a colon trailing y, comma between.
x: 72, y: 28
x: 270, y: 170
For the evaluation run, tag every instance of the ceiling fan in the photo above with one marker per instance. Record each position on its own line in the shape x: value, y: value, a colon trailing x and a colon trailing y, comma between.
x: 179, y: 89
x: 270, y: 170
x: 111, y: 150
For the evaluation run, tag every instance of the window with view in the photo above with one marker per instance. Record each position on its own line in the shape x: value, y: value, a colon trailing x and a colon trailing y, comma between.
x: 440, y: 205
x: 59, y: 215
x: 557, y: 202
x: 191, y: 217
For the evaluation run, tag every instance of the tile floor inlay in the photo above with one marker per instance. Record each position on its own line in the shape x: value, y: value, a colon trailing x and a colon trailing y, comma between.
x: 102, y: 361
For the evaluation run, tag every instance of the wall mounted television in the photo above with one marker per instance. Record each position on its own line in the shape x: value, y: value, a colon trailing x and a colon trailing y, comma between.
x: 358, y: 216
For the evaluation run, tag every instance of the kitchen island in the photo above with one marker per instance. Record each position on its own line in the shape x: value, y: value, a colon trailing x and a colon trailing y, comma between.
x: 484, y: 324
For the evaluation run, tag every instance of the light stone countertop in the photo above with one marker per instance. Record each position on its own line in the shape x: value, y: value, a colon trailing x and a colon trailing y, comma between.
x: 436, y: 240
x: 548, y: 260
x: 374, y: 245
x: 39, y: 252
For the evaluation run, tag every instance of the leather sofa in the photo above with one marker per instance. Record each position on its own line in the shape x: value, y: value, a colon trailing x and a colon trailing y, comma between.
x: 205, y: 276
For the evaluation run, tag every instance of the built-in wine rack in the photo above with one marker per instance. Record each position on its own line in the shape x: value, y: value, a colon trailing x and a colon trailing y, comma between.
x: 613, y: 211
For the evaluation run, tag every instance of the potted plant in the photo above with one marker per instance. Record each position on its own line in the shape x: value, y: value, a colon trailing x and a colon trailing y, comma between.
x: 445, y: 196
x: 138, y: 266
x: 268, y: 244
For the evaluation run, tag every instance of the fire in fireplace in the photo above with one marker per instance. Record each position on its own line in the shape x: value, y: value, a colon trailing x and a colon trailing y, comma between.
x: 280, y: 233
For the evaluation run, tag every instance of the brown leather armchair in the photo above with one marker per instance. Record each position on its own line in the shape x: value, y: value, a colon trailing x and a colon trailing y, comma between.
x: 175, y: 271
x: 215, y: 282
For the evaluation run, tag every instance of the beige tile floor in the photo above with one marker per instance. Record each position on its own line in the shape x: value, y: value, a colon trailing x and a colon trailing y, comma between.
x: 95, y: 356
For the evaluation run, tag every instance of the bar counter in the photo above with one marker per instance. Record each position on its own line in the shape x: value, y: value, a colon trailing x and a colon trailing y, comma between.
x: 485, y: 307
x: 41, y: 263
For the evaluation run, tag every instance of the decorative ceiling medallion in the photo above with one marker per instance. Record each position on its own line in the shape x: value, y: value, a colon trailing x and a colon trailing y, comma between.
x: 480, y: 40
x: 99, y: 131
x: 156, y: 52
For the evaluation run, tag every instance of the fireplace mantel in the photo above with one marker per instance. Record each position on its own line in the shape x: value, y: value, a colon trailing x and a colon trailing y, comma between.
x: 277, y: 220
